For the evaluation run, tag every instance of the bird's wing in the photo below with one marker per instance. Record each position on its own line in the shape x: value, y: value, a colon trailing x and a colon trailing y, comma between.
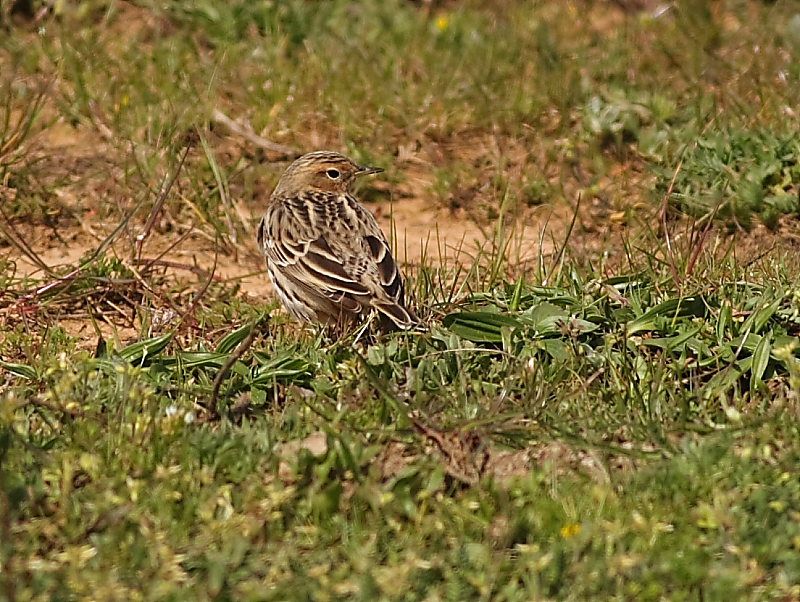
x: 332, y: 245
x: 388, y: 291
x: 292, y: 240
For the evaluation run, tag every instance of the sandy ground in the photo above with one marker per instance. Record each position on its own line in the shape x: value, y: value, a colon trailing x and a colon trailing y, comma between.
x: 422, y: 231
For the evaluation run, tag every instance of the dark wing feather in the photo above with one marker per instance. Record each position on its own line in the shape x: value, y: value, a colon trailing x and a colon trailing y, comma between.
x: 391, y: 280
x: 391, y: 301
x: 328, y: 271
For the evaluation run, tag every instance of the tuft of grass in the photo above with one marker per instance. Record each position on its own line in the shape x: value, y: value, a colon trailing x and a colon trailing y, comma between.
x: 739, y: 176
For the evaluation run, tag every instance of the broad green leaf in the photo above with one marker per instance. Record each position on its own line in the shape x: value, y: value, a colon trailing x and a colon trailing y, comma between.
x: 22, y: 370
x: 513, y: 305
x: 626, y: 280
x: 556, y: 348
x: 549, y: 292
x: 668, y: 310
x: 672, y: 343
x: 724, y: 322
x: 745, y: 364
x: 545, y: 317
x: 722, y: 381
x: 140, y: 351
x: 478, y: 326
x: 283, y: 367
x: 748, y: 342
x: 700, y: 348
x: 581, y: 326
x: 762, y: 314
x: 231, y: 340
x: 760, y: 360
x: 202, y: 359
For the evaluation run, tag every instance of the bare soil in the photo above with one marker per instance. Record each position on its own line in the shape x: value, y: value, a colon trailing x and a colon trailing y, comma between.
x: 83, y: 170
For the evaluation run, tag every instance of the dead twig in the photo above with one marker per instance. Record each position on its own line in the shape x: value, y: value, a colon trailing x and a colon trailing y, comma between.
x: 235, y: 357
x: 99, y: 121
x: 71, y: 276
x: 697, y: 245
x: 19, y: 242
x: 202, y: 292
x: 246, y: 132
x: 664, y: 206
x: 73, y: 412
x: 562, y: 250
x: 662, y: 219
x: 168, y: 183
x: 165, y: 263
x: 465, y: 455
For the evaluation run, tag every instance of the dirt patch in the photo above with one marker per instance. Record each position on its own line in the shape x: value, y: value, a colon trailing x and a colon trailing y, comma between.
x: 421, y: 234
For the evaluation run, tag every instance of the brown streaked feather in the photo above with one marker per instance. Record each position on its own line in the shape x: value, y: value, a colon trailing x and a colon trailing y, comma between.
x: 326, y: 254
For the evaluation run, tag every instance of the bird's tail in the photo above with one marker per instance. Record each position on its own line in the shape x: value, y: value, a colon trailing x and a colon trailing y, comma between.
x: 395, y: 316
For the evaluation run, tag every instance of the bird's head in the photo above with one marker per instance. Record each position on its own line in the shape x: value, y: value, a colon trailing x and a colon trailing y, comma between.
x: 325, y: 171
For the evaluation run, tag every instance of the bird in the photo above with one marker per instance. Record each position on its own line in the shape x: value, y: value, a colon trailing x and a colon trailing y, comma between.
x: 326, y: 255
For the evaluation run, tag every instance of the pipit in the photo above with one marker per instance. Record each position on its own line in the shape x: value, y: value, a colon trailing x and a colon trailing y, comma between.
x: 326, y: 255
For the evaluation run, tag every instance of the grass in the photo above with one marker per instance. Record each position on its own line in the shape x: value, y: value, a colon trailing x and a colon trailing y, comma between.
x: 617, y: 419
x: 738, y: 176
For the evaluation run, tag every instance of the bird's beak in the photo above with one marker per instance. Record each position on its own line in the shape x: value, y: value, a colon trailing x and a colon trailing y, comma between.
x: 364, y: 170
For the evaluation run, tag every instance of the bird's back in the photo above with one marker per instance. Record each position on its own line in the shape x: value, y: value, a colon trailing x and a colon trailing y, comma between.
x: 329, y: 260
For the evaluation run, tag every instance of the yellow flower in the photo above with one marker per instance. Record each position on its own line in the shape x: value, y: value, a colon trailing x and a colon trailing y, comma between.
x: 570, y: 530
x: 442, y: 22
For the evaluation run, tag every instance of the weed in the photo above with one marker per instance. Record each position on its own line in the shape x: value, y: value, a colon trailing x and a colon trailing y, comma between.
x: 738, y: 175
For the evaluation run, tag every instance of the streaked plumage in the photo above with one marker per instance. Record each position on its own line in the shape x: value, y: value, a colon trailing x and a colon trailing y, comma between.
x: 326, y: 255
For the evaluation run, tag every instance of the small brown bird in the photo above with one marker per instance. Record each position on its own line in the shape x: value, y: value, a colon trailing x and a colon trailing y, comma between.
x: 326, y: 255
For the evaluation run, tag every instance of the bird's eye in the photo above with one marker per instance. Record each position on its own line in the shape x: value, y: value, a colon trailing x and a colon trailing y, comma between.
x: 333, y: 174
